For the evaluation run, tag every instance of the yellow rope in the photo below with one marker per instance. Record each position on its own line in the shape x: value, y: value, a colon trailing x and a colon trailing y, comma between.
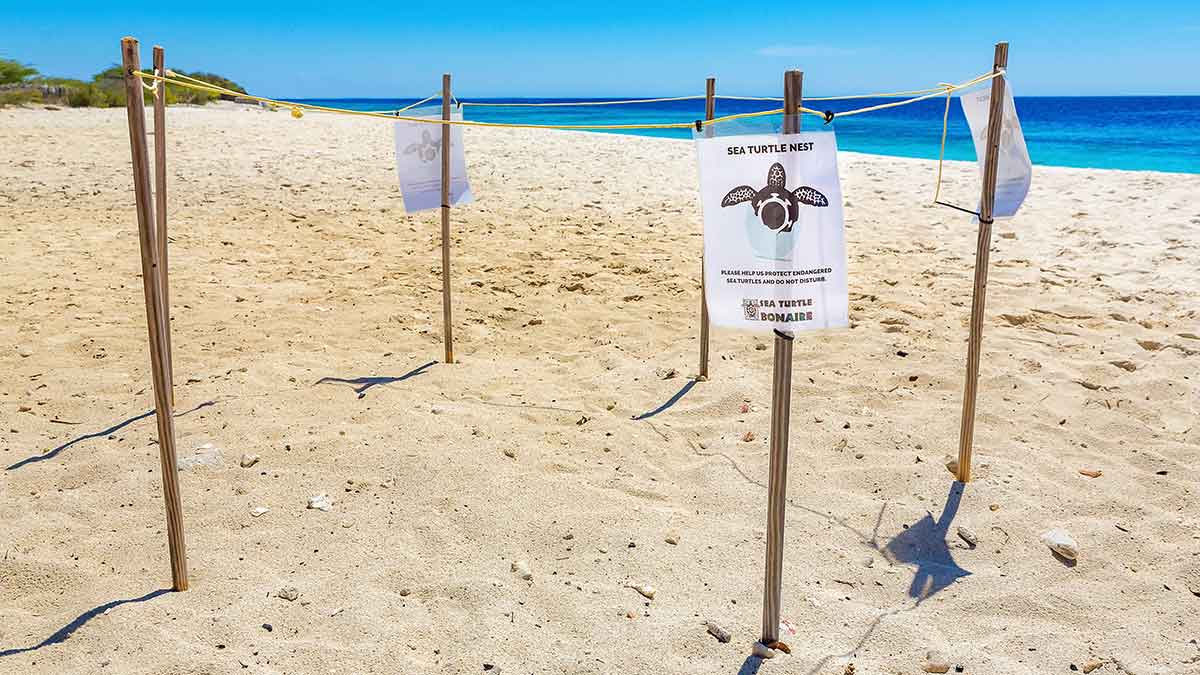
x: 192, y: 83
x: 937, y: 191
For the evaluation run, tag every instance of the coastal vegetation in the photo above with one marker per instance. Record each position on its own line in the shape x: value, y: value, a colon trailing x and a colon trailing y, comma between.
x: 22, y: 84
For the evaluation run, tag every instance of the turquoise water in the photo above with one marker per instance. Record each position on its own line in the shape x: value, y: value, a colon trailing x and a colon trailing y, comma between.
x: 1157, y: 133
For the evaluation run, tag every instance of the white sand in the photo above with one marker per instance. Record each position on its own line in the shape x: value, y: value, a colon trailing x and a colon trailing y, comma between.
x: 292, y: 260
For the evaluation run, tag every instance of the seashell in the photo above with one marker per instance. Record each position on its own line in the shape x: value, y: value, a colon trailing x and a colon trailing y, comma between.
x: 258, y: 511
x: 320, y: 502
x: 645, y: 590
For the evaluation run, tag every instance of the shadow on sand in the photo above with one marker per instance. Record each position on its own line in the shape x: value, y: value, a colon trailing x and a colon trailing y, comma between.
x: 924, y: 544
x: 51, y: 454
x: 360, y: 385
x: 66, y: 631
x: 670, y: 402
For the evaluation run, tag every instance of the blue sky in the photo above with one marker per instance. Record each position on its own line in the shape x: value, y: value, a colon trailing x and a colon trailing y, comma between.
x: 306, y: 49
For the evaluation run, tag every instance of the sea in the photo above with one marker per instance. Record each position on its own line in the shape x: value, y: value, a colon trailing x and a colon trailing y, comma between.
x: 1139, y: 133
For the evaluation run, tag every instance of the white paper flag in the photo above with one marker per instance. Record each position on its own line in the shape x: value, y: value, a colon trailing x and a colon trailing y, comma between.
x: 1014, y: 170
x: 774, y: 241
x: 419, y: 164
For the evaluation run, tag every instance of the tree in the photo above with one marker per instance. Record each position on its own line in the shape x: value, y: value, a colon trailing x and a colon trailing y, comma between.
x: 12, y: 72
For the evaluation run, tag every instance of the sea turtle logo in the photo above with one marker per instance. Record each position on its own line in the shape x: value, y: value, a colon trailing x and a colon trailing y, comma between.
x: 778, y: 207
x: 427, y: 149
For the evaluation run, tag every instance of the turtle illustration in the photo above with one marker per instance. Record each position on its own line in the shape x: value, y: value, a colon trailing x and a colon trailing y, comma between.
x: 778, y: 207
x: 427, y: 149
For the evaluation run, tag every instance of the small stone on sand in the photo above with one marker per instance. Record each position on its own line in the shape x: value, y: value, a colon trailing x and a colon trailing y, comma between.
x: 248, y: 460
x: 936, y: 662
x: 1061, y: 542
x: 258, y: 511
x: 521, y: 569
x: 289, y: 593
x: 320, y: 502
x: 716, y: 631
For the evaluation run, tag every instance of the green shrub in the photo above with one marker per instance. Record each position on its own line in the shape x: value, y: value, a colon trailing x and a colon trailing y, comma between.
x: 12, y: 72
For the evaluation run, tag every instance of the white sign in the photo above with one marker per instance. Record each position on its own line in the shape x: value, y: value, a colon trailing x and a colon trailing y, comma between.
x: 1014, y: 170
x: 774, y: 241
x: 419, y: 164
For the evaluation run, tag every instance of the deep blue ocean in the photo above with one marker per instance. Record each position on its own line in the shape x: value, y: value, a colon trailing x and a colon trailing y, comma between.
x: 1158, y: 133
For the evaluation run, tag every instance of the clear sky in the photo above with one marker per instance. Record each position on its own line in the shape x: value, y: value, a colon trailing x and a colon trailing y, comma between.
x: 616, y: 47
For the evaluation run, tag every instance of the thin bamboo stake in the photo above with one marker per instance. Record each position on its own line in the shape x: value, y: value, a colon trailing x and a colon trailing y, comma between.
x: 983, y: 245
x: 781, y: 410
x: 710, y: 97
x: 136, y: 114
x: 447, y: 330
x: 160, y: 211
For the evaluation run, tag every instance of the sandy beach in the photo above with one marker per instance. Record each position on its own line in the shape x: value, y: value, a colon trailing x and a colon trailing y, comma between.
x: 576, y: 278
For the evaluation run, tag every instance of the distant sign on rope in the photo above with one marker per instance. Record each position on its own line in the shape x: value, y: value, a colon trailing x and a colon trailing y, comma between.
x: 1014, y: 170
x: 419, y: 164
x: 774, y: 239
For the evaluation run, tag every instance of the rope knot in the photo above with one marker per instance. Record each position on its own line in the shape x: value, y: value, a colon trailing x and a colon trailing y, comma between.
x: 829, y: 115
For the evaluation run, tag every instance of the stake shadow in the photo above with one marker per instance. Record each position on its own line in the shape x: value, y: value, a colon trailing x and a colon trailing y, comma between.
x: 51, y: 454
x: 360, y: 385
x: 670, y: 402
x: 750, y: 666
x: 66, y: 631
x: 924, y: 544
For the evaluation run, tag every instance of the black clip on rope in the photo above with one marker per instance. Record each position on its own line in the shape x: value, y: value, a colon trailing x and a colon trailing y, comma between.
x: 829, y: 115
x: 698, y: 124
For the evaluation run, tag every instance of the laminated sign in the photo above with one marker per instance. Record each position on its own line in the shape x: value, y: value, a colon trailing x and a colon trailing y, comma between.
x: 1014, y: 170
x: 774, y: 242
x: 419, y: 164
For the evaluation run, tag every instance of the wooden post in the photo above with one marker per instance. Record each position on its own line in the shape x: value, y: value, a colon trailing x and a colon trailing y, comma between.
x: 447, y: 330
x: 983, y: 245
x: 160, y: 210
x: 781, y: 410
x: 710, y: 93
x: 147, y: 238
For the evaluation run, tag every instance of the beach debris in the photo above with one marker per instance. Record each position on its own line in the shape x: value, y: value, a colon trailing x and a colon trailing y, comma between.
x: 1061, y: 542
x: 849, y: 669
x: 780, y: 646
x: 744, y: 409
x: 258, y: 511
x: 288, y: 593
x: 966, y: 534
x: 716, y: 631
x: 952, y: 465
x: 521, y: 569
x: 405, y: 592
x: 320, y: 502
x: 206, y: 454
x: 645, y: 590
x: 1091, y: 473
x: 1091, y: 665
x: 24, y: 352
x: 248, y: 460
x: 748, y: 436
x: 762, y: 651
x: 666, y: 373
x: 993, y: 507
x: 510, y: 453
x: 936, y: 662
x: 673, y: 539
x: 787, y: 627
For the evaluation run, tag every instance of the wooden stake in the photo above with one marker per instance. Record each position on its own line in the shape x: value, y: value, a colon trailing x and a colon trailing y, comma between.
x: 160, y: 211
x: 447, y: 330
x: 781, y: 411
x: 983, y: 245
x: 710, y: 92
x: 147, y: 238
